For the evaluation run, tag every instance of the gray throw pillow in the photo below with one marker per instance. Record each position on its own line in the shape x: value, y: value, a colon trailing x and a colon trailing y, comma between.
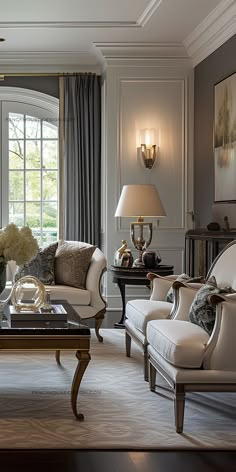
x: 201, y: 311
x: 71, y: 263
x: 41, y: 266
x: 181, y: 278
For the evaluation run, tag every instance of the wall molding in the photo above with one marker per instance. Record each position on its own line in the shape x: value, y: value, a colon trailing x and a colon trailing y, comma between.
x: 182, y: 81
x: 213, y: 31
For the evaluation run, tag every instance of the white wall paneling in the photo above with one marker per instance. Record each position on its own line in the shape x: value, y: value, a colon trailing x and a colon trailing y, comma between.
x: 137, y: 97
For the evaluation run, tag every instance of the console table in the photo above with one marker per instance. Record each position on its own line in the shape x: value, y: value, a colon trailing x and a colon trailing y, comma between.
x: 123, y: 276
x: 202, y: 247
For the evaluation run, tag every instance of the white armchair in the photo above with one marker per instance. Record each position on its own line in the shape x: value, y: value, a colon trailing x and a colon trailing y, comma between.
x: 140, y: 312
x: 187, y: 356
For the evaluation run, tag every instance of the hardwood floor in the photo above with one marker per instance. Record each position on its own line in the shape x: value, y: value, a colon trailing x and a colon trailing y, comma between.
x: 116, y: 461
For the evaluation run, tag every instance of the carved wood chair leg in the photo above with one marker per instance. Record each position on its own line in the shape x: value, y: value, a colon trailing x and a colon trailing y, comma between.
x: 179, y: 407
x: 57, y: 355
x: 127, y: 344
x: 98, y: 322
x: 152, y: 377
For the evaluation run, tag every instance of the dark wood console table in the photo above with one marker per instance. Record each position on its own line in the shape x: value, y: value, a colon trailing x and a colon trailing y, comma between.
x: 202, y: 247
x: 123, y: 276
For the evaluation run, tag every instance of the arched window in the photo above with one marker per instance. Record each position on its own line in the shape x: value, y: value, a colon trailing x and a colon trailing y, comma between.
x: 30, y: 162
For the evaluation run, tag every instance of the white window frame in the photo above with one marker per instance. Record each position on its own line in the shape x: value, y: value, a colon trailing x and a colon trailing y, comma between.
x: 14, y: 99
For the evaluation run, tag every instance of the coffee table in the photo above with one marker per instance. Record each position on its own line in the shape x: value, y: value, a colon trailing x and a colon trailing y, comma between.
x: 71, y: 335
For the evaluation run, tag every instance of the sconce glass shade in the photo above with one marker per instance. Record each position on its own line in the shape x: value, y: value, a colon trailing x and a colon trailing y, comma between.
x: 147, y: 142
x: 140, y: 201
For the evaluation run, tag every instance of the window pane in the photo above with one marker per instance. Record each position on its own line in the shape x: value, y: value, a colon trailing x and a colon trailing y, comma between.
x: 16, y: 185
x: 50, y: 216
x: 16, y: 126
x: 16, y: 213
x: 49, y: 185
x: 32, y: 160
x: 32, y: 127
x: 49, y: 130
x: 33, y: 215
x: 16, y: 154
x: 32, y: 189
x: 50, y: 154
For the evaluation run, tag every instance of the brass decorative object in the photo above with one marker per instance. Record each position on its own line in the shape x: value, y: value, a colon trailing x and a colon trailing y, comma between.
x: 123, y: 256
x: 28, y: 294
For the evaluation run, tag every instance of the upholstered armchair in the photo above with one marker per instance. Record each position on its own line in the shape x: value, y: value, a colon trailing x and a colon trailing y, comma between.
x: 185, y: 353
x: 139, y: 312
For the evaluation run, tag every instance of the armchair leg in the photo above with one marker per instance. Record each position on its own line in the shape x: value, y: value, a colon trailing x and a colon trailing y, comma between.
x: 98, y: 322
x: 127, y: 344
x: 145, y: 364
x: 179, y: 407
x: 152, y: 377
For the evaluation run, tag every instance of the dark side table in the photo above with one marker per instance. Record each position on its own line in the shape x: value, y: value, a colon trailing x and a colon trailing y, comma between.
x: 123, y: 276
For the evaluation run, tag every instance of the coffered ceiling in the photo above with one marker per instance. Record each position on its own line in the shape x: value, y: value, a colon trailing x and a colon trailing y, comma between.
x: 77, y: 34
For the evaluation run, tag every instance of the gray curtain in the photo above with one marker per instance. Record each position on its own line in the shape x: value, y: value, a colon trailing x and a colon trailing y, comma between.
x: 82, y: 164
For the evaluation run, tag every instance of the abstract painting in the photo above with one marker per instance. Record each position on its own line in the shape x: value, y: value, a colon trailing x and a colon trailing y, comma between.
x: 225, y: 140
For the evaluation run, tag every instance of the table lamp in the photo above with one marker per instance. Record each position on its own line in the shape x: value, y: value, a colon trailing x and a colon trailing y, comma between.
x: 140, y: 201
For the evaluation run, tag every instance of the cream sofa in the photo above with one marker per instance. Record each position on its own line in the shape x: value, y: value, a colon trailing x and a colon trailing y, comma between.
x: 190, y: 359
x: 88, y: 303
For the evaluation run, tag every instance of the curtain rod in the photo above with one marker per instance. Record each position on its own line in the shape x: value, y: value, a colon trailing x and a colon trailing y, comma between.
x: 43, y: 74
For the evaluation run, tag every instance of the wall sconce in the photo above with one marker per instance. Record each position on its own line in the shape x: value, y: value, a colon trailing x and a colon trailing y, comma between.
x: 148, y: 146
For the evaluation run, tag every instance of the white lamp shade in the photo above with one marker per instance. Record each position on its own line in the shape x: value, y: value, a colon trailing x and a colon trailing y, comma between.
x: 140, y: 200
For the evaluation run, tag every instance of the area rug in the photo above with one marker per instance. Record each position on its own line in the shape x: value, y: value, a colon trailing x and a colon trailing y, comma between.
x: 119, y: 409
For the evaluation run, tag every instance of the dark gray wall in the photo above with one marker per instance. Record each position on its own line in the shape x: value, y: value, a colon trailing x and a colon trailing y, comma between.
x: 213, y: 69
x: 49, y: 85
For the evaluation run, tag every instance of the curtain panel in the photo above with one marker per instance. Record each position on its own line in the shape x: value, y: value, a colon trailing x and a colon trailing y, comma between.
x: 82, y: 158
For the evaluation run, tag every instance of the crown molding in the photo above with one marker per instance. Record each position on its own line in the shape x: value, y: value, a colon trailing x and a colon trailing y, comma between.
x: 141, y: 50
x: 53, y: 61
x: 212, y: 32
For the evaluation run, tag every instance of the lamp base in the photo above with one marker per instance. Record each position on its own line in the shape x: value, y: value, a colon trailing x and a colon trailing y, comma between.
x: 138, y: 263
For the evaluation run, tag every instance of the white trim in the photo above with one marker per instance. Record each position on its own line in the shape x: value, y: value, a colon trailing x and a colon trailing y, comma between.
x: 213, y: 31
x: 32, y: 97
x: 148, y: 12
x: 142, y: 20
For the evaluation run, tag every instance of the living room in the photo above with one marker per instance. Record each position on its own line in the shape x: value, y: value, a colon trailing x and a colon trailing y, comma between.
x: 156, y: 72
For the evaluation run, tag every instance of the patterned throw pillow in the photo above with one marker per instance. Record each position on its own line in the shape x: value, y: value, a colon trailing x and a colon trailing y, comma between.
x: 71, y: 263
x: 181, y: 278
x: 41, y: 266
x: 201, y: 311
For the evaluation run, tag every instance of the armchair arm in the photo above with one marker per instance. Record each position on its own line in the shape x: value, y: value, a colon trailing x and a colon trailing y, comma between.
x: 160, y: 285
x: 183, y: 298
x: 97, y: 267
x: 221, y: 348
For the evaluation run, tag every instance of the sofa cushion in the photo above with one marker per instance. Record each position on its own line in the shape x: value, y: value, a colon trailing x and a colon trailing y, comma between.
x: 201, y: 311
x: 139, y: 312
x: 181, y: 343
x: 41, y: 266
x: 74, y: 296
x: 71, y: 263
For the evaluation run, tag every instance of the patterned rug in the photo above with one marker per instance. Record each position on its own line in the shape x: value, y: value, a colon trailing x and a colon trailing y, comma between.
x: 119, y: 409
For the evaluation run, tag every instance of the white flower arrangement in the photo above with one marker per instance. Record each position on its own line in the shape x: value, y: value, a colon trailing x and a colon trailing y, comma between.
x: 17, y: 245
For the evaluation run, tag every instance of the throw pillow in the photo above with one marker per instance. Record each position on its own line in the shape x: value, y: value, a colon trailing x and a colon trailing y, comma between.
x: 71, y: 263
x: 201, y: 311
x: 41, y: 266
x: 181, y: 278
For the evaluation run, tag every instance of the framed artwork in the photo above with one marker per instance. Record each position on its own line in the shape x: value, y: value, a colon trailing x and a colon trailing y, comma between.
x: 225, y: 140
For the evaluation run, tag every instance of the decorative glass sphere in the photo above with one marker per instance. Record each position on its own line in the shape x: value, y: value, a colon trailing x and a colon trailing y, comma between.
x: 28, y: 294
